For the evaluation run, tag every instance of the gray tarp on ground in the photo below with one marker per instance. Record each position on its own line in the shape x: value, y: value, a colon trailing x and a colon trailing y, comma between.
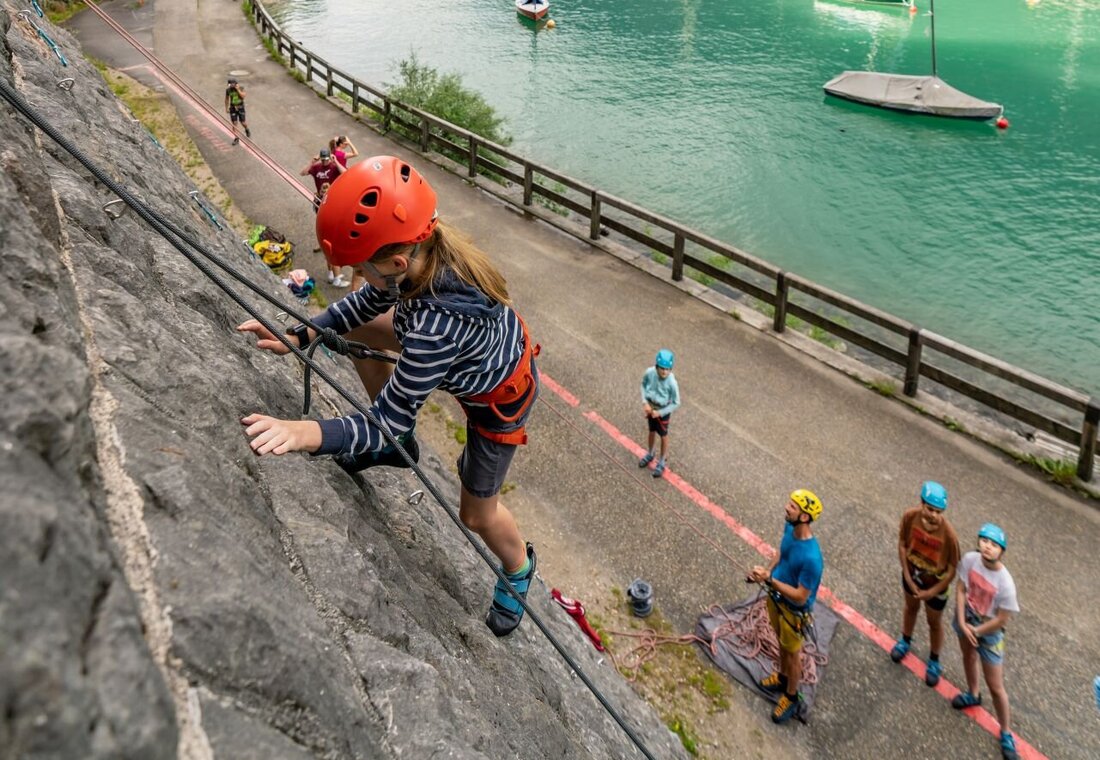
x: 727, y: 655
x: 919, y: 94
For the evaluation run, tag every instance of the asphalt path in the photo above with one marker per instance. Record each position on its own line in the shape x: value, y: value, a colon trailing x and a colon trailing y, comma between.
x: 759, y: 419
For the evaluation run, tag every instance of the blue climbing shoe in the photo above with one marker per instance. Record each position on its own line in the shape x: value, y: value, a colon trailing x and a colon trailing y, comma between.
x: 933, y: 672
x: 966, y: 699
x: 387, y: 457
x: 659, y: 470
x: 773, y: 683
x: 901, y: 648
x: 786, y: 708
x: 1008, y: 746
x: 505, y: 613
x: 644, y: 461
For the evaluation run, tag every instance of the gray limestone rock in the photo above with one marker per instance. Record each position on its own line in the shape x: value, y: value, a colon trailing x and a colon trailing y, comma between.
x: 165, y: 593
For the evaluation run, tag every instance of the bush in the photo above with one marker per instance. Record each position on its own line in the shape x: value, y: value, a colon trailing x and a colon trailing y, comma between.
x: 445, y: 96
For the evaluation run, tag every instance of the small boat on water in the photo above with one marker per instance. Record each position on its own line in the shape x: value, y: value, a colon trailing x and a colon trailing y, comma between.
x: 890, y: 3
x: 915, y: 94
x: 533, y: 9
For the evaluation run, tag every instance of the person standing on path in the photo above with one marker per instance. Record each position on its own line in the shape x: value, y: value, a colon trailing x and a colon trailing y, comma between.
x: 792, y: 581
x: 438, y: 301
x: 234, y: 106
x: 660, y: 398
x: 342, y: 149
x: 325, y: 169
x: 986, y: 600
x: 928, y: 550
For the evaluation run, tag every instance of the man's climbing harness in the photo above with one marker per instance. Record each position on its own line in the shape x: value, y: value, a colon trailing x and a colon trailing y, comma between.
x: 205, y: 261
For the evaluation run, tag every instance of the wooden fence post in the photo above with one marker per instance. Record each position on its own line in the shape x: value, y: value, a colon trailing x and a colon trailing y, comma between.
x: 328, y: 82
x: 912, y: 362
x: 354, y: 97
x: 473, y: 156
x: 594, y: 216
x: 678, y: 257
x: 387, y: 115
x: 528, y: 182
x: 1088, y: 440
x: 425, y: 133
x: 781, y: 287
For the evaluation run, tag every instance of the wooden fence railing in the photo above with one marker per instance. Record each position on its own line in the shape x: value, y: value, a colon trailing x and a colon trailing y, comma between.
x: 895, y: 340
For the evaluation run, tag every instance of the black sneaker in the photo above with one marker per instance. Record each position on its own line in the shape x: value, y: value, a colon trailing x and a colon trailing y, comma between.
x: 236, y: 140
x: 247, y: 132
x: 387, y: 457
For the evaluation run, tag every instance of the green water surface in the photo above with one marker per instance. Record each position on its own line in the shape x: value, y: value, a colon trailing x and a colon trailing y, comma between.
x: 711, y: 112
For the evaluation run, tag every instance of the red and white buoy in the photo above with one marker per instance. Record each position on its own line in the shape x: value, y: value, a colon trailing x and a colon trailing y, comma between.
x: 1002, y: 122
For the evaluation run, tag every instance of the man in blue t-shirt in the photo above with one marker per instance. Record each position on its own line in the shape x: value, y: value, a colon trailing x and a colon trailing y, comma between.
x: 792, y: 582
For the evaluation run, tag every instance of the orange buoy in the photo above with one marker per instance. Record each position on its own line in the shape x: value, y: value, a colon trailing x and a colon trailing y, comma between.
x: 550, y: 24
x: 1002, y: 123
x: 912, y: 9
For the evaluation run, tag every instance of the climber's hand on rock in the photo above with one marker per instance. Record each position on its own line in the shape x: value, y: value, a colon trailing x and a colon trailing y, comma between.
x: 265, y: 339
x: 275, y: 436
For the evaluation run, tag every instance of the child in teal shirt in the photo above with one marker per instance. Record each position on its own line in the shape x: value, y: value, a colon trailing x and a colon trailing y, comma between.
x: 660, y: 397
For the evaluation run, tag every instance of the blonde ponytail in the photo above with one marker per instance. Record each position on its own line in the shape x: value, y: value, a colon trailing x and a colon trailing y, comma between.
x: 449, y: 249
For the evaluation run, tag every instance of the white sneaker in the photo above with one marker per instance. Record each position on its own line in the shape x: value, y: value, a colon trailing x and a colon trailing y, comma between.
x: 339, y: 281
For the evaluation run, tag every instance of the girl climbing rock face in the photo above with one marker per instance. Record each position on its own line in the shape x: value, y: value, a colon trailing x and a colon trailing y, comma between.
x: 438, y: 302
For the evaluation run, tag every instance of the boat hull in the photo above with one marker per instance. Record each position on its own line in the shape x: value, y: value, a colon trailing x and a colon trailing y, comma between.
x: 533, y: 11
x: 913, y: 94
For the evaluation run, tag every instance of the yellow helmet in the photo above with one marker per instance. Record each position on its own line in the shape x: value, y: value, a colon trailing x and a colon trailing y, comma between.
x: 808, y: 502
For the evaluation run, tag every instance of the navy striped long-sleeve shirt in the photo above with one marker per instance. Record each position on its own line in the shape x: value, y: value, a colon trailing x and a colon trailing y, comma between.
x: 455, y: 339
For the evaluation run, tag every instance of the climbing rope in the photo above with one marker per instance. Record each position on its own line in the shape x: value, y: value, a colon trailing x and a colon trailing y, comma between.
x: 201, y: 259
x: 748, y: 633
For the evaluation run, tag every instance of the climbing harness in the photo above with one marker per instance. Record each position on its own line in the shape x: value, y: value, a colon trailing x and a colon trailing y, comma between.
x: 202, y: 259
x: 800, y: 621
x: 517, y: 387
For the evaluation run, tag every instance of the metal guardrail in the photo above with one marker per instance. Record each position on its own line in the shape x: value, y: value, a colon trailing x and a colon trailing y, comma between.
x: 761, y: 280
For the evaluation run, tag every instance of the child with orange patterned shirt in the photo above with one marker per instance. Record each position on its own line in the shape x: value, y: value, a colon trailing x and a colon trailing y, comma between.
x: 928, y: 550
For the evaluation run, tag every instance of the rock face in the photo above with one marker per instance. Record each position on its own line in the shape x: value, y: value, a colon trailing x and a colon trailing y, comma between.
x: 163, y: 592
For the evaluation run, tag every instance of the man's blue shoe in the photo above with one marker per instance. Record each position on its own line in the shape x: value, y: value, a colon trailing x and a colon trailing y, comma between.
x: 901, y: 648
x: 659, y: 470
x: 1008, y: 746
x: 644, y: 461
x: 505, y: 613
x: 933, y: 672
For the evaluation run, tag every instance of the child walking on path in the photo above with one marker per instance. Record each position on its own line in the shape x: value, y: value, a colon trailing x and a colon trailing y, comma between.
x: 928, y: 550
x: 986, y: 600
x: 234, y: 106
x: 438, y: 301
x: 660, y: 397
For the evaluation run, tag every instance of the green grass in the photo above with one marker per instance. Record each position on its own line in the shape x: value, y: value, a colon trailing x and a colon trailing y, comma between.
x: 1061, y: 471
x: 700, y: 277
x: 953, y: 424
x: 886, y: 388
x: 659, y: 257
x: 821, y: 335
x: 59, y: 11
x: 679, y: 726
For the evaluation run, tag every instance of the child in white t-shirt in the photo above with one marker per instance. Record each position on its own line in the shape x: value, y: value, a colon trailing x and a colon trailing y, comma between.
x: 985, y: 601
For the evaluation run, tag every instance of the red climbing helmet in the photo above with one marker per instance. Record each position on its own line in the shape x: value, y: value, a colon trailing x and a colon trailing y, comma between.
x: 375, y: 203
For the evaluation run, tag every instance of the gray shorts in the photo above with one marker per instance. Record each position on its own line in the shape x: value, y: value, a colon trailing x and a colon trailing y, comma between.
x: 483, y: 464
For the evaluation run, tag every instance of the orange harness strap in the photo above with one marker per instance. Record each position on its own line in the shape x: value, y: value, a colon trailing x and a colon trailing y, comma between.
x: 514, y: 387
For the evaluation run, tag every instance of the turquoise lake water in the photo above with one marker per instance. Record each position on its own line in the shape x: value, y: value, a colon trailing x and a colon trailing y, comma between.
x: 711, y: 112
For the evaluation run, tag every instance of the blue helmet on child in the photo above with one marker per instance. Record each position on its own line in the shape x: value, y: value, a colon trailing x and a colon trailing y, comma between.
x: 934, y: 495
x: 994, y: 533
x: 664, y: 359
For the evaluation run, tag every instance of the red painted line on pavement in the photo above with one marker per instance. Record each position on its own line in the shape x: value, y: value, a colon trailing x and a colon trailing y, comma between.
x: 565, y: 395
x: 945, y: 688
